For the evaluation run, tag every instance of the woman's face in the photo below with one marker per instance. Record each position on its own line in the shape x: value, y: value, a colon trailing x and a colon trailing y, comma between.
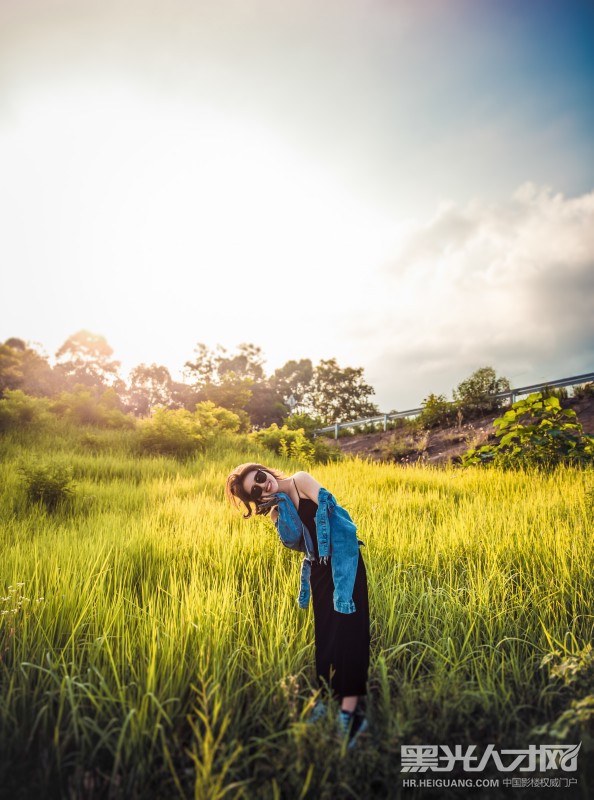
x: 258, y: 483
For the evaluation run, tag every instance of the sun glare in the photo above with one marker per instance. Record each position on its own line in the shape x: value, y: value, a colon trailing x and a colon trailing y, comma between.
x: 159, y: 216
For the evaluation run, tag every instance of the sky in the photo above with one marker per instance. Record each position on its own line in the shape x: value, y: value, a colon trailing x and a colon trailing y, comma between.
x: 403, y: 186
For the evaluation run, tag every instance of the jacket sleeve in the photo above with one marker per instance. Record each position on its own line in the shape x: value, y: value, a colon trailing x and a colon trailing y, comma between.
x: 305, y: 587
x: 344, y: 550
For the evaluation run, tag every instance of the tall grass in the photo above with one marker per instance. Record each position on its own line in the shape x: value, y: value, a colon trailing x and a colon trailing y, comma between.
x: 153, y: 647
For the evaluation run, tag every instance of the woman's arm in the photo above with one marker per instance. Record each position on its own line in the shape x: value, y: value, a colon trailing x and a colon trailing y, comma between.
x: 307, y: 485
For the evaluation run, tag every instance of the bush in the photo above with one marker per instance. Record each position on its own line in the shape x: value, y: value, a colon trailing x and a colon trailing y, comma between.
x: 48, y: 484
x: 437, y: 411
x: 403, y: 449
x: 214, y: 419
x: 171, y: 433
x: 83, y: 408
x: 560, y: 394
x: 286, y: 442
x: 20, y: 410
x: 325, y: 452
x: 536, y: 431
x: 584, y: 390
x: 181, y: 433
x: 309, y: 425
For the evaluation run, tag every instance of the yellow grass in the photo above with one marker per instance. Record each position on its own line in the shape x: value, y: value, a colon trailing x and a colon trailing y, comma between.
x: 155, y: 647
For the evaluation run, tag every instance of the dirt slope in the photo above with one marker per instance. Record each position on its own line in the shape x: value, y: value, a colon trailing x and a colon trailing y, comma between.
x: 441, y: 445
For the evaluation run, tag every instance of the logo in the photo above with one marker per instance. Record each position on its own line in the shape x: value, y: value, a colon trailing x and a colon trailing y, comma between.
x: 535, y: 758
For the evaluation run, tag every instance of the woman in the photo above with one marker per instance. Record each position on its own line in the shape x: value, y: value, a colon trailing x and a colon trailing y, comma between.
x: 308, y: 519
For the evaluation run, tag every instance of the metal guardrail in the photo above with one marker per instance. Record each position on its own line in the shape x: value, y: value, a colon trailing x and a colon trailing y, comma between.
x: 576, y: 380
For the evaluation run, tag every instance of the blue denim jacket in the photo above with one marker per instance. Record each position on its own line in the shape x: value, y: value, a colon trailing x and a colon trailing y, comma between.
x: 337, y: 540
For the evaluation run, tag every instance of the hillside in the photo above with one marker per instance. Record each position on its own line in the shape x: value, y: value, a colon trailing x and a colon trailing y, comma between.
x: 442, y: 445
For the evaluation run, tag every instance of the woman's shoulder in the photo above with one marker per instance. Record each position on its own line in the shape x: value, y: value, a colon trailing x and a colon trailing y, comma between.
x: 307, y: 485
x: 301, y: 475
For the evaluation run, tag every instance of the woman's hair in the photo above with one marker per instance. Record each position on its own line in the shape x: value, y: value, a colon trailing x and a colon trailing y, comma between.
x: 236, y: 494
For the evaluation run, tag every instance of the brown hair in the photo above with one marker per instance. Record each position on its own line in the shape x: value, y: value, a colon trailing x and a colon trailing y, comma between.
x: 236, y: 494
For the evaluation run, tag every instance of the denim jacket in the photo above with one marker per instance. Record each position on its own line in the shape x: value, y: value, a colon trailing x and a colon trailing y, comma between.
x: 337, y: 540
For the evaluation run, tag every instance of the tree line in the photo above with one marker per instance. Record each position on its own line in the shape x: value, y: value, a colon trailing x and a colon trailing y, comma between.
x: 85, y: 364
x: 310, y: 395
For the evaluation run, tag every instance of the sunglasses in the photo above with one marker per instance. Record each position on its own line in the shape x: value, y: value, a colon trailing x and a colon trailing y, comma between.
x: 259, y: 481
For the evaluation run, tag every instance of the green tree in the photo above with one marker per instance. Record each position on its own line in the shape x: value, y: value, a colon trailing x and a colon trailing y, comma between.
x: 204, y: 366
x: 235, y: 381
x: 213, y: 366
x: 294, y: 379
x: 246, y: 363
x: 22, y: 367
x: 475, y: 394
x: 149, y: 386
x: 341, y: 393
x: 86, y: 358
x: 266, y: 405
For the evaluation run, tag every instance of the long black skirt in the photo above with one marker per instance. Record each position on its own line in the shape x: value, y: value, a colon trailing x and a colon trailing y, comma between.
x: 341, y: 640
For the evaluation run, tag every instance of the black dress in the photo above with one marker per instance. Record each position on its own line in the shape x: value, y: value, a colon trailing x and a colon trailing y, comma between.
x: 341, y: 640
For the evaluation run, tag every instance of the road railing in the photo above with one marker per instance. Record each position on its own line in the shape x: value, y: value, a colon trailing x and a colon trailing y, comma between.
x: 511, y: 395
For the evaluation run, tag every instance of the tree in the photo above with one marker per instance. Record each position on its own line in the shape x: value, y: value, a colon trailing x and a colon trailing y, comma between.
x: 475, y: 394
x: 213, y: 366
x: 22, y: 367
x: 266, y: 405
x: 235, y: 381
x: 341, y: 394
x: 246, y: 363
x: 294, y: 380
x: 149, y: 386
x: 85, y: 358
x: 203, y: 369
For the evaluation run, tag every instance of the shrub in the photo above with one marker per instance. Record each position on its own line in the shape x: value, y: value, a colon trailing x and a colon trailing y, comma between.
x: 181, y: 433
x: 325, y: 452
x: 437, y: 411
x: 572, y: 675
x: 304, y: 422
x: 82, y: 407
x: 48, y: 484
x: 404, y: 448
x: 560, y: 394
x: 536, y: 430
x: 19, y: 410
x: 584, y: 390
x: 172, y: 433
x: 286, y: 442
x: 213, y: 419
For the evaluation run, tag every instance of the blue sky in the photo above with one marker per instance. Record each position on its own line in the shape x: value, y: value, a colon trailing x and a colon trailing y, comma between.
x: 408, y: 187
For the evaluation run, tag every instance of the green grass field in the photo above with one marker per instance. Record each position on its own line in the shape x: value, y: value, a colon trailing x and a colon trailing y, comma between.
x: 151, y: 645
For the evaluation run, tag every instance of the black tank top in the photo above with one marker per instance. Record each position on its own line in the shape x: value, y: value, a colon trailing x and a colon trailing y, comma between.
x: 307, y: 510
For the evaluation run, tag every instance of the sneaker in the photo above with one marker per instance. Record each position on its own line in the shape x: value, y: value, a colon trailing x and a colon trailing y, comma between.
x: 318, y: 712
x: 351, y: 724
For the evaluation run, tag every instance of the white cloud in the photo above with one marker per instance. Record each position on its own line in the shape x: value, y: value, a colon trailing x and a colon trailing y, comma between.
x: 508, y: 285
